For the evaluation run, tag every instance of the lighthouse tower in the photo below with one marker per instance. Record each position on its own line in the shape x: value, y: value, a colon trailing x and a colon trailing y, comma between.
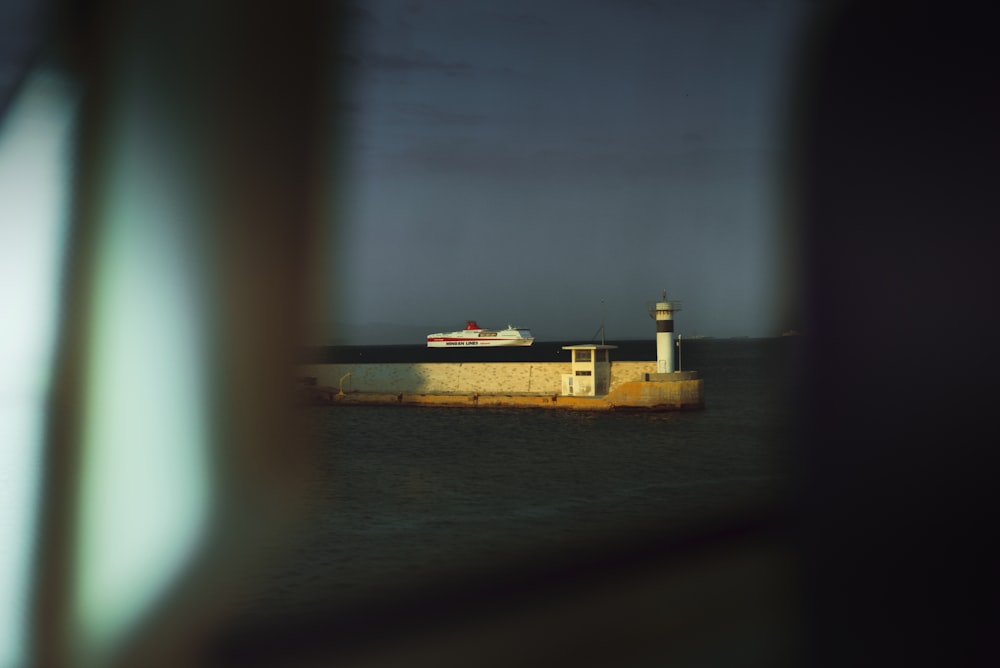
x: 663, y: 313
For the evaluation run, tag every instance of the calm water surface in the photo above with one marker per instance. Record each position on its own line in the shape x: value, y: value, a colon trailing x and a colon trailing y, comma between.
x: 404, y: 495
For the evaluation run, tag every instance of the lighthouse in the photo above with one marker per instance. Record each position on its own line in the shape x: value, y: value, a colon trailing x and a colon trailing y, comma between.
x: 663, y: 313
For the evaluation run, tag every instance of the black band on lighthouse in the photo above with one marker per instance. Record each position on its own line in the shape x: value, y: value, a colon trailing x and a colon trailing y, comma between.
x: 664, y: 325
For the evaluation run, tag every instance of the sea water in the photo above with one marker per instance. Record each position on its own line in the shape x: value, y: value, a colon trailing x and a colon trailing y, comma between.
x: 404, y: 496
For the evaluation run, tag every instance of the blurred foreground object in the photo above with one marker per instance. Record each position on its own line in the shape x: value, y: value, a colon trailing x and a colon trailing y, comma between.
x: 35, y: 143
x: 897, y: 143
x: 196, y: 206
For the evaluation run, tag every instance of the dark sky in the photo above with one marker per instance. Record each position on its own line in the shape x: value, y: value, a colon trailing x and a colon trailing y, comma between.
x: 547, y: 164
x: 524, y: 162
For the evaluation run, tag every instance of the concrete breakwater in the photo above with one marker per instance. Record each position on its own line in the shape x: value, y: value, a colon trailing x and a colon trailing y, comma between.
x: 633, y: 385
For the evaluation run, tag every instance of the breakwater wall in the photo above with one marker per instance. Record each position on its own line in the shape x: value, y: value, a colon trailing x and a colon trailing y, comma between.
x: 462, y: 377
x: 633, y: 385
